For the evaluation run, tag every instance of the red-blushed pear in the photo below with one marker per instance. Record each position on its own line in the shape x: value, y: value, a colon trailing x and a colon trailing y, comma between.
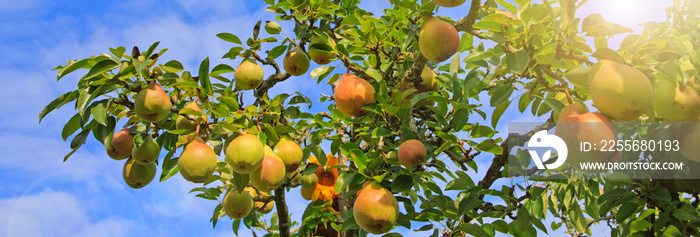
x: 197, y: 161
x: 290, y: 152
x: 249, y: 75
x: 147, y: 153
x: 449, y: 3
x: 619, y: 91
x: 351, y: 94
x: 438, y: 40
x: 183, y: 122
x: 121, y: 145
x: 245, y: 153
x: 689, y: 141
x: 260, y: 206
x: 320, y: 52
x: 136, y: 175
x: 376, y: 209
x: 675, y: 102
x: 152, y: 103
x: 296, y: 62
x: 577, y: 125
x: 237, y: 205
x: 412, y: 153
x: 270, y: 174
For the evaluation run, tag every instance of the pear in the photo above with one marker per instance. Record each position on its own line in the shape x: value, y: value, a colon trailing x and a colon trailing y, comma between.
x: 270, y: 174
x: 561, y: 97
x: 675, y: 102
x: 438, y: 40
x: 197, y: 161
x: 428, y: 83
x: 152, y: 103
x: 290, y: 153
x: 309, y: 181
x: 449, y: 3
x: 412, y: 153
x: 577, y: 125
x: 183, y: 122
x: 320, y: 52
x: 147, y: 153
x: 351, y: 94
x: 249, y: 75
x: 137, y: 175
x: 237, y: 205
x: 245, y: 153
x: 121, y: 145
x: 296, y: 62
x: 376, y: 209
x: 273, y: 28
x: 619, y: 91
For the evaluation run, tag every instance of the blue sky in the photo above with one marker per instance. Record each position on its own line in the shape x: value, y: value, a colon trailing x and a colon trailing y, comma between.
x: 86, y: 196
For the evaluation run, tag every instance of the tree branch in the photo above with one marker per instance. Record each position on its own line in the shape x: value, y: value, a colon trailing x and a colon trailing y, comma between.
x: 282, y: 212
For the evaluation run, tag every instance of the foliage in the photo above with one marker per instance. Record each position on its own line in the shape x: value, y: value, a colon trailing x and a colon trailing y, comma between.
x: 519, y: 59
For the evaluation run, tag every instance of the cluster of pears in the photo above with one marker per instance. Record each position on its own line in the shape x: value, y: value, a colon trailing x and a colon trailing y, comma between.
x: 140, y: 169
x: 267, y: 169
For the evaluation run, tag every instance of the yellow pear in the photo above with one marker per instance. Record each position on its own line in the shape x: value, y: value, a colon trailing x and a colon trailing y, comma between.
x: 147, y: 153
x: 438, y: 40
x: 675, y: 102
x: 237, y: 205
x: 320, y: 52
x: 351, y: 94
x: 619, y: 91
x: 245, y: 153
x: 249, y: 75
x: 137, y: 175
x: 296, y: 62
x: 290, y: 152
x: 376, y: 209
x: 152, y: 103
x: 197, y: 161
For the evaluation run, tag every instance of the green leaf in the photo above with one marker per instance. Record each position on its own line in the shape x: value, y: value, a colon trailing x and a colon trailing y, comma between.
x: 459, y: 119
x: 173, y: 66
x: 609, y: 54
x: 72, y: 67
x: 489, y: 25
x: 381, y: 132
x: 517, y: 62
x: 56, y: 103
x: 374, y: 74
x: 204, y: 77
x: 626, y: 210
x: 501, y: 94
x: 402, y: 183
x: 101, y: 67
x: 71, y: 126
x: 221, y: 69
x: 229, y: 37
x: 79, y: 139
x: 320, y: 71
x: 454, y: 65
x: 277, y: 51
x: 498, y: 112
x: 473, y: 229
x: 99, y: 111
x: 686, y: 213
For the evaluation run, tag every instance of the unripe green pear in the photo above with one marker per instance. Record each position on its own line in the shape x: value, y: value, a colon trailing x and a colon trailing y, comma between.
x: 675, y: 102
x: 260, y: 206
x: 152, y: 103
x: 438, y: 40
x: 197, y: 161
x: 137, y: 175
x: 273, y: 28
x: 296, y: 62
x: 237, y: 205
x: 183, y: 122
x: 619, y: 91
x: 376, y: 209
x: 249, y: 75
x: 290, y: 152
x: 320, y: 52
x: 121, y: 145
x: 392, y: 156
x: 270, y: 175
x: 449, y: 3
x: 245, y: 154
x: 147, y: 153
x: 309, y: 181
x: 351, y: 94
x: 412, y: 153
